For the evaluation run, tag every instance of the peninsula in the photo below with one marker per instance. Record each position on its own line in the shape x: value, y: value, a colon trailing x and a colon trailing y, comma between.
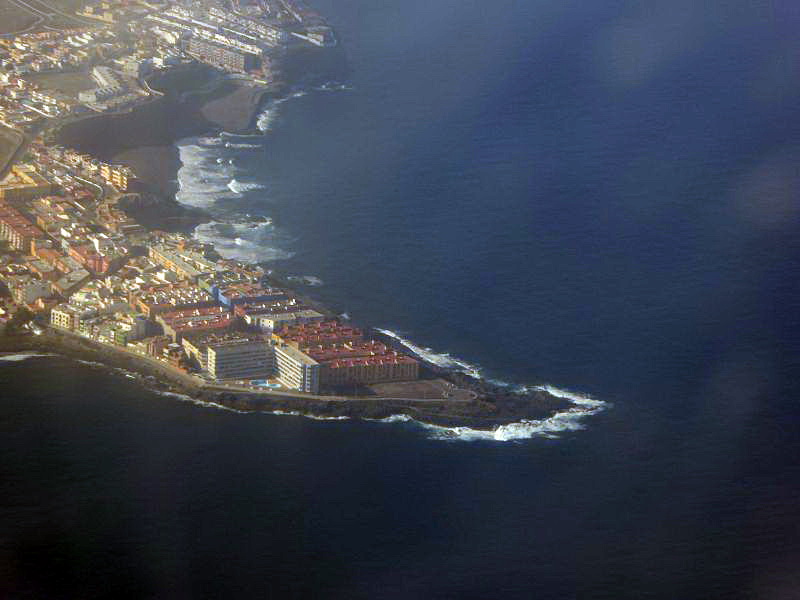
x: 98, y: 261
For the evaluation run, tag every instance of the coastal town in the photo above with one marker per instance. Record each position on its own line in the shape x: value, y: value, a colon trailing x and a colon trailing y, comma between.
x: 73, y: 261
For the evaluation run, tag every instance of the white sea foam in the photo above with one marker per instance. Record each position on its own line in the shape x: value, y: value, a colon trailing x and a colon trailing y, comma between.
x: 309, y: 280
x: 241, y: 187
x: 22, y: 356
x: 574, y: 397
x: 90, y: 363
x: 319, y: 418
x: 242, y: 136
x: 269, y: 112
x: 207, y: 180
x: 197, y: 402
x: 442, y: 360
x: 248, y: 242
x: 333, y: 86
x: 242, y: 146
x: 392, y: 419
x: 563, y: 421
x: 202, y: 180
x: 295, y: 413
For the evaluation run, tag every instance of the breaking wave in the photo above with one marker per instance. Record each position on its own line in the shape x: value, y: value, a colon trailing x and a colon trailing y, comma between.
x: 90, y: 363
x: 309, y: 280
x: 241, y: 187
x: 442, y: 360
x: 209, y: 142
x: 247, y: 242
x: 207, y: 179
x: 392, y: 419
x: 333, y: 86
x: 22, y: 356
x: 296, y: 413
x: 202, y: 180
x: 269, y: 112
x: 195, y: 401
x: 240, y: 136
x: 242, y: 146
x: 267, y: 116
x: 562, y: 421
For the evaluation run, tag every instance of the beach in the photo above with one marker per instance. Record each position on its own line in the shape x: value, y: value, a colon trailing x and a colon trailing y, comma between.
x: 196, y: 100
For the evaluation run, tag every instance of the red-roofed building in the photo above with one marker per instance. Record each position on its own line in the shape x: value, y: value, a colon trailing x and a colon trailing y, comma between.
x: 178, y: 323
x: 345, y: 357
x: 248, y: 293
x: 362, y: 362
x: 323, y: 333
x: 15, y: 228
x: 86, y: 255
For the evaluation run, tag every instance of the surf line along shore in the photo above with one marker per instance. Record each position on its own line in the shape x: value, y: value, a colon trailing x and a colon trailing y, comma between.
x: 195, y: 100
x: 144, y: 139
x: 471, y: 410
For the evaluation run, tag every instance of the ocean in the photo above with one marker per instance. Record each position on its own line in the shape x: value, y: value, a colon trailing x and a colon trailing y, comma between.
x: 597, y: 196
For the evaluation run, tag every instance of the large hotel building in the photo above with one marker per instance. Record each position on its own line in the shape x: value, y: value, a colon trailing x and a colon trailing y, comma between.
x: 221, y: 56
x: 331, y: 354
x: 232, y: 355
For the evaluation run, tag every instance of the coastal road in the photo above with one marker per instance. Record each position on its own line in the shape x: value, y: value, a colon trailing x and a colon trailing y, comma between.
x: 43, y: 13
x: 199, y: 383
x: 55, y: 11
x: 22, y: 147
x: 11, y: 142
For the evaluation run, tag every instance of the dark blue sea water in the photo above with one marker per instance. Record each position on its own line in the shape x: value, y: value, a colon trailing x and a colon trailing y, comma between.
x: 604, y: 196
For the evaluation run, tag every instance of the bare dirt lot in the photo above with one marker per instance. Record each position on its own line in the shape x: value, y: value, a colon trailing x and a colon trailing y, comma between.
x: 39, y: 15
x: 10, y: 141
x: 13, y: 18
x: 423, y: 389
x: 69, y: 83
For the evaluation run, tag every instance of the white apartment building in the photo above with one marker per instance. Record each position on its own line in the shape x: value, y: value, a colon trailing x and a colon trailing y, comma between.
x: 241, y: 358
x: 296, y: 370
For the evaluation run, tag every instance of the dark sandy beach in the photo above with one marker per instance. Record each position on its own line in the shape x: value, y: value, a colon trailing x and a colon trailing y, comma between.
x: 196, y: 100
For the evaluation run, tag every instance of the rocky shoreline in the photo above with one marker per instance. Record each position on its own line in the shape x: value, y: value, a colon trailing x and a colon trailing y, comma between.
x: 481, y: 413
x: 197, y: 100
